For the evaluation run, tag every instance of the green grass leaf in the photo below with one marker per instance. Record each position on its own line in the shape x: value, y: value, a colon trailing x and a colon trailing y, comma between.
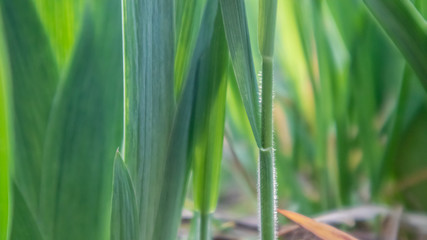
x: 25, y: 224
x: 85, y: 127
x: 407, y: 28
x: 124, y: 218
x: 188, y: 29
x: 5, y: 144
x: 208, y: 120
x: 149, y: 100
x: 61, y: 20
x: 33, y: 81
x: 237, y: 35
x: 182, y: 139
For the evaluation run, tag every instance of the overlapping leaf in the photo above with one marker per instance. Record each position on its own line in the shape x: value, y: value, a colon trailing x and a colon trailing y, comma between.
x: 208, y: 121
x: 84, y: 129
x: 236, y: 31
x: 183, y: 137
x: 61, y: 20
x: 33, y: 80
x: 188, y: 24
x: 124, y: 218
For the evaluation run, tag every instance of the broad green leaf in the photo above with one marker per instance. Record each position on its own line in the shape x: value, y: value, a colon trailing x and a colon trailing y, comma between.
x: 124, y: 218
x: 5, y: 140
x: 182, y: 139
x: 84, y: 129
x: 208, y: 119
x: 149, y: 100
x: 187, y: 29
x: 236, y: 32
x: 24, y: 224
x: 33, y: 80
x: 61, y: 20
x: 407, y: 28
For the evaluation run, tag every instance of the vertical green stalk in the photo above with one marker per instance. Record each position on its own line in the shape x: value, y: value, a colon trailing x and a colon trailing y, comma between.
x: 266, y: 27
x: 205, y: 228
x: 5, y: 138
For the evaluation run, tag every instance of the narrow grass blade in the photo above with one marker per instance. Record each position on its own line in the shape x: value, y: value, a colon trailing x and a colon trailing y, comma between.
x: 33, y: 81
x: 173, y: 188
x: 5, y: 136
x: 84, y: 129
x: 208, y: 123
x: 188, y: 28
x: 182, y: 139
x: 149, y: 101
x: 236, y: 31
x: 208, y: 120
x: 321, y: 230
x: 408, y: 30
x: 124, y: 216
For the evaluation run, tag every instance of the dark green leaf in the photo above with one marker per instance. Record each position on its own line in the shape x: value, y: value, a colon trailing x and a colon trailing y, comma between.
x: 33, y: 82
x: 84, y: 129
x: 408, y: 30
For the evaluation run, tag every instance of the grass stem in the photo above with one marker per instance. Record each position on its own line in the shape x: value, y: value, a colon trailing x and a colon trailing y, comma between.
x: 266, y: 162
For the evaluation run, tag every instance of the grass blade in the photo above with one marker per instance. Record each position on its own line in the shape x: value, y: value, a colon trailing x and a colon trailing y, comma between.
x: 5, y: 148
x: 408, y: 30
x: 149, y: 100
x: 84, y: 128
x: 124, y: 218
x: 188, y: 27
x: 237, y: 35
x: 31, y: 59
x: 208, y: 123
x: 182, y: 139
x: 61, y: 21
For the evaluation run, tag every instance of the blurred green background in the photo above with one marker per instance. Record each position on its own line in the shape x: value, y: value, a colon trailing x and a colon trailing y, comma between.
x: 350, y: 111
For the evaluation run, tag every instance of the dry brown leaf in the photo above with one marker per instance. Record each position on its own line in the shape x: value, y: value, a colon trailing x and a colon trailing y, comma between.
x: 321, y: 230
